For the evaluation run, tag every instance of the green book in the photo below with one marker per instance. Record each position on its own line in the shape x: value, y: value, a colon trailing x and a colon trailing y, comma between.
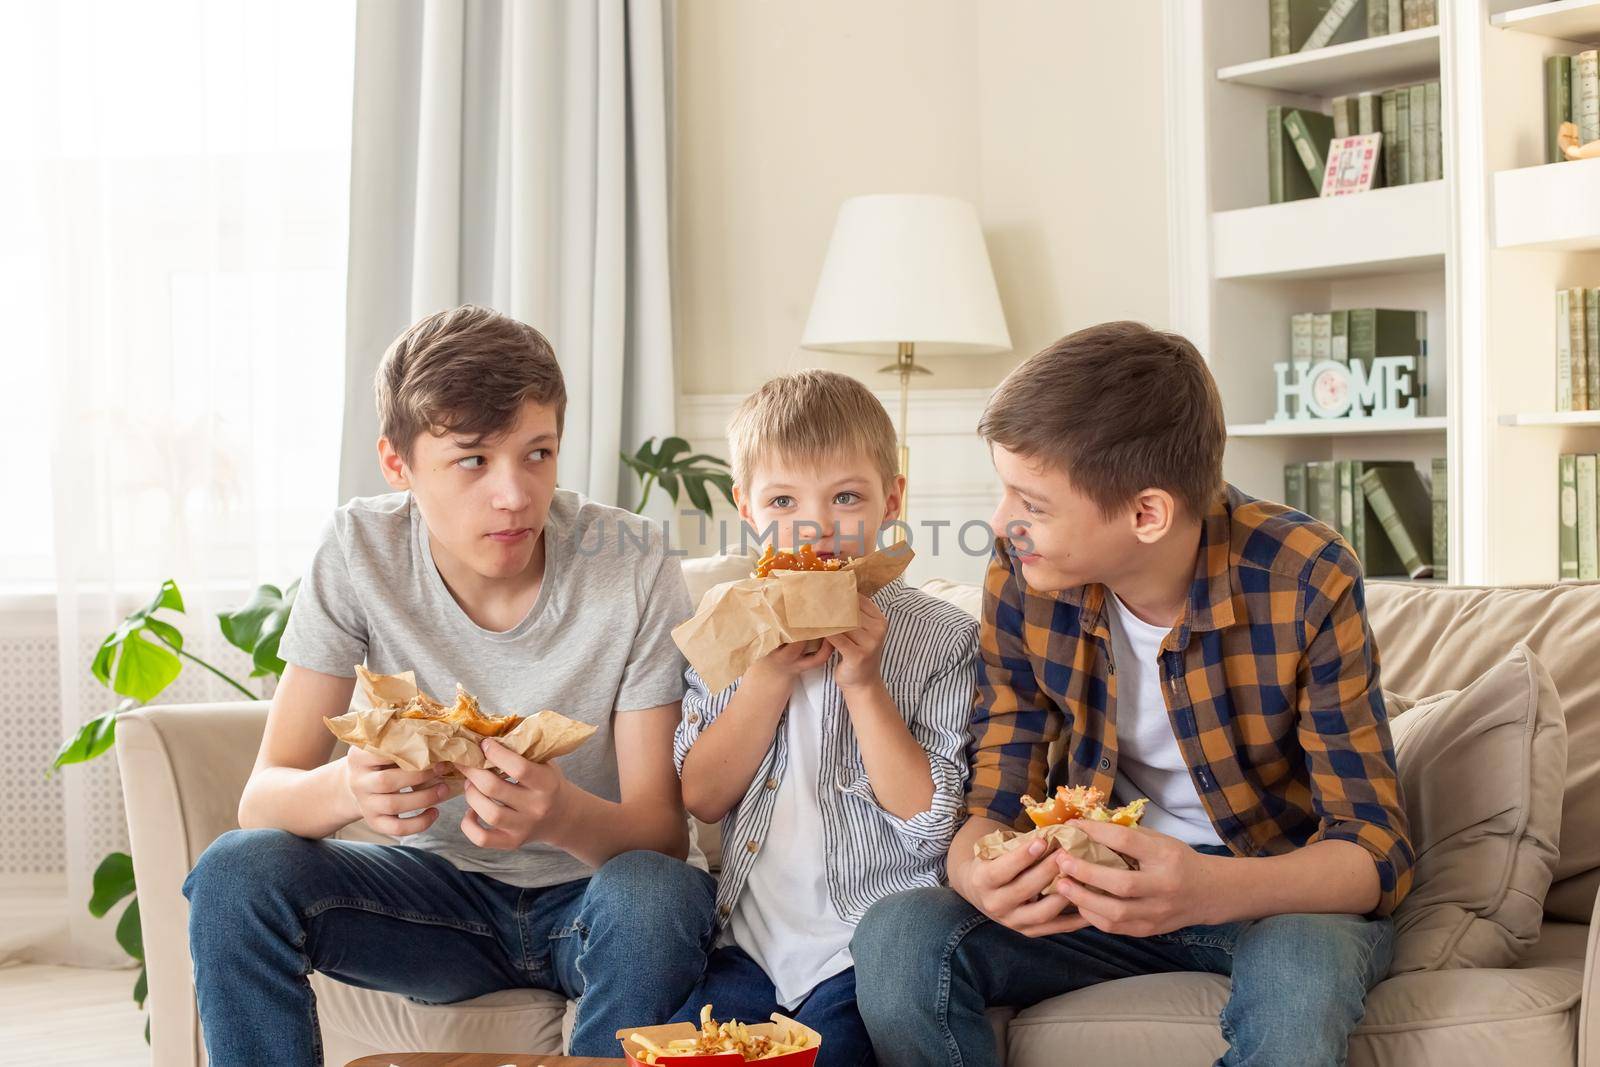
x: 1378, y: 18
x: 1371, y: 543
x: 1402, y: 135
x: 1304, y: 18
x: 1591, y: 348
x: 1410, y: 14
x: 1400, y: 500
x: 1568, y: 538
x: 1578, y: 341
x: 1294, y: 486
x: 1322, y: 489
x: 1339, y: 327
x: 1588, y: 537
x: 1347, y: 501
x: 1586, y: 95
x: 1557, y: 103
x: 1389, y: 113
x: 1346, y: 20
x: 1278, y: 27
x: 1369, y: 119
x: 1342, y: 126
x: 1564, y: 382
x: 1285, y: 179
x: 1396, y: 16
x: 1311, y: 131
x: 1378, y: 332
x: 1417, y: 146
x: 1321, y: 336
x: 1441, y: 518
x: 1433, y: 145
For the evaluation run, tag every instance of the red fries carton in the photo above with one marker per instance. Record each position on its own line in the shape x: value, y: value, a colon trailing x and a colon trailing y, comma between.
x: 779, y: 1042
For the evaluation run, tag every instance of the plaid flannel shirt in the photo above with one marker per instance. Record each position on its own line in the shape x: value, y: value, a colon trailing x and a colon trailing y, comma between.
x: 1270, y: 679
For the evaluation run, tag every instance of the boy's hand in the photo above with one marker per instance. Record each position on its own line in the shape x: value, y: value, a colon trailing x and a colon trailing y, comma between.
x: 507, y: 815
x: 787, y: 662
x: 861, y: 650
x: 375, y: 784
x: 1172, y: 888
x: 1014, y: 889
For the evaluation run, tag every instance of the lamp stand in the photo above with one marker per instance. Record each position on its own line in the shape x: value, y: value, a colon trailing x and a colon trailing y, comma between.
x: 904, y: 365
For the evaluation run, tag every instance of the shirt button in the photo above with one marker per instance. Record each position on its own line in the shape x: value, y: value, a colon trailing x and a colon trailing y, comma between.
x: 694, y: 718
x: 752, y: 845
x: 1105, y: 763
x: 723, y: 910
x: 772, y: 783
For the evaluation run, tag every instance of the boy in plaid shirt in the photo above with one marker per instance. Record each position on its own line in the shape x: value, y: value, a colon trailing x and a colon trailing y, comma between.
x: 1186, y: 643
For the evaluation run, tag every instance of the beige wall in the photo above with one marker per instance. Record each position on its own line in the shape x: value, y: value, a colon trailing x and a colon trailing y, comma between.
x: 1045, y: 113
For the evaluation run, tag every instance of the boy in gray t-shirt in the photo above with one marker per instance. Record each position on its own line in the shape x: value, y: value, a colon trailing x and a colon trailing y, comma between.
x: 478, y: 570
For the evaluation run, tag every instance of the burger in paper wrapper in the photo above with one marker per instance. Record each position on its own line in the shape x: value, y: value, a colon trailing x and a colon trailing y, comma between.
x: 1054, y: 822
x: 794, y: 596
x: 781, y: 1041
x: 417, y: 731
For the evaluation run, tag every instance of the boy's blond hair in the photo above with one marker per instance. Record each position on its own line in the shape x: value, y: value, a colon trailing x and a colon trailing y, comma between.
x: 809, y: 416
x: 466, y: 371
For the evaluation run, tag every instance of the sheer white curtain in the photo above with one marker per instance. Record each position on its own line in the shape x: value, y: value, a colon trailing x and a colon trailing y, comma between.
x: 514, y: 154
x: 174, y: 189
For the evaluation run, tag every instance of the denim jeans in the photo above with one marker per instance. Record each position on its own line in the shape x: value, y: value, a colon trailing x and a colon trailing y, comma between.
x: 737, y: 988
x: 928, y: 964
x: 267, y: 908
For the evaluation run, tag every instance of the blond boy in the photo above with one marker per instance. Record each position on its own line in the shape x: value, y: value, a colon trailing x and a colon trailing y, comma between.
x: 837, y: 773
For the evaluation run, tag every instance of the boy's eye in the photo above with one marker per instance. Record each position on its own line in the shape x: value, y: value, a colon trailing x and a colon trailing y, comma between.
x: 847, y: 498
x: 470, y: 463
x: 781, y: 502
x: 1030, y: 509
x: 539, y: 455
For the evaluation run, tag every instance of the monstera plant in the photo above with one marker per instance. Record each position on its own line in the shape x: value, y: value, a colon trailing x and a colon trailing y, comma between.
x: 671, y: 466
x: 138, y: 661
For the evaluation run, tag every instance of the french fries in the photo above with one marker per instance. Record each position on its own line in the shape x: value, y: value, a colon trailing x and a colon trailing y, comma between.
x: 1081, y: 802
x: 717, y: 1039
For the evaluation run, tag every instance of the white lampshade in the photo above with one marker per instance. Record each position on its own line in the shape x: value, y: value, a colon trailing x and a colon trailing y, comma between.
x: 907, y: 268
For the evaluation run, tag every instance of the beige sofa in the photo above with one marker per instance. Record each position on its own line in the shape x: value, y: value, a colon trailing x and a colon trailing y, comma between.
x: 183, y: 769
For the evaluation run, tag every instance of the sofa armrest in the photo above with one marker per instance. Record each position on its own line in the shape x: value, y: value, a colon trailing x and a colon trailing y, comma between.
x: 183, y: 770
x: 1589, y: 1010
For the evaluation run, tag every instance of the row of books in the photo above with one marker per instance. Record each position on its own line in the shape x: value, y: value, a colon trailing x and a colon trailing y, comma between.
x: 1411, y: 149
x: 1578, y: 349
x: 1571, y: 94
x: 1397, y: 525
x: 1303, y: 25
x: 1579, y: 541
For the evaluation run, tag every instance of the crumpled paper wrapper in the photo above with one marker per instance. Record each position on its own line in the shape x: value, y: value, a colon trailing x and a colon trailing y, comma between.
x: 1065, y: 836
x: 417, y: 744
x: 741, y: 621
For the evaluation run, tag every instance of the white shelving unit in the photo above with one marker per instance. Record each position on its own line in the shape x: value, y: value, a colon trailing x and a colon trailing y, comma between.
x: 1482, y: 251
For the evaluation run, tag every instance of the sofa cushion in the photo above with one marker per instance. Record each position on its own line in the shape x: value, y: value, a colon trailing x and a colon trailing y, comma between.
x: 965, y: 595
x: 1433, y: 638
x: 1481, y: 771
x: 1456, y: 1018
x: 359, y: 1022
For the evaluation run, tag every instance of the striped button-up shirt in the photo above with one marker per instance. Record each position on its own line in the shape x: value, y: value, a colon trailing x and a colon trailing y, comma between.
x: 928, y: 657
x: 1270, y: 680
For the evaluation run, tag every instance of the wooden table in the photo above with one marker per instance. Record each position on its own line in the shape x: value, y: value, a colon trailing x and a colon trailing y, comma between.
x: 479, y: 1059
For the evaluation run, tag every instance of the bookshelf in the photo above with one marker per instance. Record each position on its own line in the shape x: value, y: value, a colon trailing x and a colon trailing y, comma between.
x: 1482, y: 251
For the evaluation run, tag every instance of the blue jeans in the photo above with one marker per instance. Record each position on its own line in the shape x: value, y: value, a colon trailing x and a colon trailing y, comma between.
x: 928, y: 964
x: 267, y: 908
x: 737, y: 988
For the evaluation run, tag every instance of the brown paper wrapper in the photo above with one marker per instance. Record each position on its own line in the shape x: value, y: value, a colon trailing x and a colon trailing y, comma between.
x: 1065, y: 836
x: 739, y: 622
x: 416, y: 744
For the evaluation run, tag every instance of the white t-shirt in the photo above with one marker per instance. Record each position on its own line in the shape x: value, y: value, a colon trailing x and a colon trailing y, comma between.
x: 785, y: 918
x: 1149, y: 762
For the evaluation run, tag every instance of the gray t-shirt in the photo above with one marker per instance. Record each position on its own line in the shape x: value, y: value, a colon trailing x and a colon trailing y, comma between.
x: 598, y: 641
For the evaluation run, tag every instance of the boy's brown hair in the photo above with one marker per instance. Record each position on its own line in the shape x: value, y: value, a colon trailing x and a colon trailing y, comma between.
x: 468, y: 371
x: 1119, y: 408
x: 811, y: 415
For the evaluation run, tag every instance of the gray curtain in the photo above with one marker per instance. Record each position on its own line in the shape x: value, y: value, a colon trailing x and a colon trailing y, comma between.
x: 513, y: 153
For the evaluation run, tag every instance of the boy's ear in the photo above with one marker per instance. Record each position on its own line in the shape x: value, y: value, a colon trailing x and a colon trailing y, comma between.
x: 742, y: 502
x: 393, y: 467
x: 894, y: 499
x: 1155, y: 513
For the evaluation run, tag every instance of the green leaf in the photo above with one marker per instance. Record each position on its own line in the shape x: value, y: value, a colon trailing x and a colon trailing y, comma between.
x: 647, y: 453
x: 141, y: 989
x: 113, y: 880
x: 672, y: 446
x: 133, y: 665
x: 669, y: 482
x: 257, y: 628
x: 130, y: 932
x: 694, y: 484
x: 638, y: 467
x: 698, y: 458
x: 723, y: 482
x: 147, y: 1029
x: 94, y: 738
